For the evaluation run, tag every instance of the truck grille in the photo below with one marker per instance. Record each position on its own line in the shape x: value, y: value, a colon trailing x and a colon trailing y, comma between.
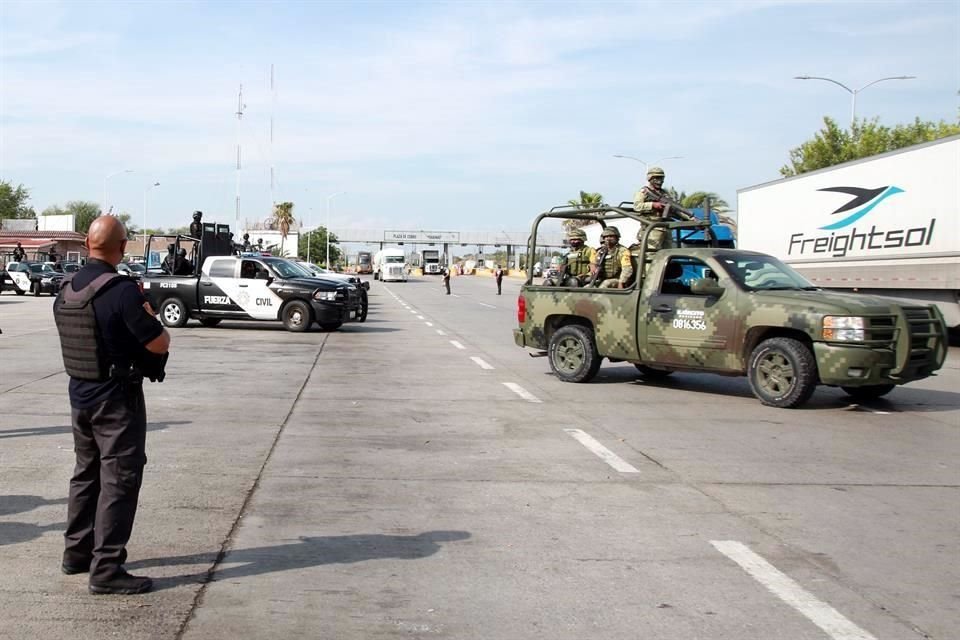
x: 881, y: 330
x: 924, y: 334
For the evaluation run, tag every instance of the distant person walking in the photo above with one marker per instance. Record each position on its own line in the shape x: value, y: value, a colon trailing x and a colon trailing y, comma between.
x: 498, y: 274
x: 446, y: 279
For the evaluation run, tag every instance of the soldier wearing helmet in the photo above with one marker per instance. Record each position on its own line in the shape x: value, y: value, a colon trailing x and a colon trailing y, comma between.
x: 649, y: 203
x: 577, y: 265
x: 196, y: 227
x: 614, y: 269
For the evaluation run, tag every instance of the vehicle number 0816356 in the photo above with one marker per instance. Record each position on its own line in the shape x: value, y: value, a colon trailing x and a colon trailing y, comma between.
x: 686, y: 323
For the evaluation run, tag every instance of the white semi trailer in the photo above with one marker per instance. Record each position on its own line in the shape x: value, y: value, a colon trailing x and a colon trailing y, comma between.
x: 887, y: 225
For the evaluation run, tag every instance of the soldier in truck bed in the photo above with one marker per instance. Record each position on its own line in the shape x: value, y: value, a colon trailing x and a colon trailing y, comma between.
x: 614, y: 269
x: 649, y: 204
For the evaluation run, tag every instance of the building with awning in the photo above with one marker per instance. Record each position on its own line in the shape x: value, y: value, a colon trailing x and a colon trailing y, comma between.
x: 68, y: 245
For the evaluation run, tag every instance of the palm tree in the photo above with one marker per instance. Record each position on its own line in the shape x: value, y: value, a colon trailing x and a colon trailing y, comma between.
x: 587, y: 201
x: 697, y: 198
x: 283, y: 219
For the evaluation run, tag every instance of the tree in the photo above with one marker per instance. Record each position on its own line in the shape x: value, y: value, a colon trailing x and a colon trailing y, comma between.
x: 13, y: 202
x: 83, y: 213
x: 697, y: 199
x: 833, y: 145
x: 587, y: 200
x: 53, y: 210
x: 132, y: 229
x: 317, y: 242
x: 283, y: 219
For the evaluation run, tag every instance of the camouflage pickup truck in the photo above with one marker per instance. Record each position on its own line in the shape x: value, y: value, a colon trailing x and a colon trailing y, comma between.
x: 728, y: 312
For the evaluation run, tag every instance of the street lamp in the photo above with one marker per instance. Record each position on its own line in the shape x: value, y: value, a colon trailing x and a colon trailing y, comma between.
x: 645, y: 164
x: 145, y: 192
x: 105, y: 178
x: 329, y: 198
x: 853, y: 92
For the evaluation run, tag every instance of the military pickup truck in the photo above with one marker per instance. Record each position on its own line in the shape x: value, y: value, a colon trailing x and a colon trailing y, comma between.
x: 729, y: 312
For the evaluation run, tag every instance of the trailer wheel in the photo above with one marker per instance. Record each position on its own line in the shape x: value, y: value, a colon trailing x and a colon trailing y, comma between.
x: 297, y: 316
x: 870, y: 392
x: 573, y: 354
x: 782, y: 373
x: 173, y: 313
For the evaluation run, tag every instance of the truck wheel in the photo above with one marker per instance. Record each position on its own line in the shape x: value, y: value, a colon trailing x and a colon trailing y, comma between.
x: 297, y: 316
x: 870, y: 392
x: 19, y: 292
x: 652, y: 374
x: 210, y: 322
x: 782, y: 373
x: 364, y: 306
x: 573, y: 354
x: 173, y: 313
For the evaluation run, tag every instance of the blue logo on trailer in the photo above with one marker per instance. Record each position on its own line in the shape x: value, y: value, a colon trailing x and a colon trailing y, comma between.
x: 863, y: 203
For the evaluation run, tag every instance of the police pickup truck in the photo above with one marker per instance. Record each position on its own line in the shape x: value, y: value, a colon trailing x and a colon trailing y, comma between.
x: 33, y: 277
x: 250, y: 288
x: 731, y: 312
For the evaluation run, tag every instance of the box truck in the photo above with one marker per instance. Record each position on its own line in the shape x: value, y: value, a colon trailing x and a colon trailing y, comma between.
x: 885, y: 225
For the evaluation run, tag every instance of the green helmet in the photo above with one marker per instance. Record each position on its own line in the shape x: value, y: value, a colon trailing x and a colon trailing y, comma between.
x: 610, y: 231
x: 655, y: 172
x: 577, y: 234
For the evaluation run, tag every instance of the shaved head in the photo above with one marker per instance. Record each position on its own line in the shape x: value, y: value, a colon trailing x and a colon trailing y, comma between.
x: 106, y: 239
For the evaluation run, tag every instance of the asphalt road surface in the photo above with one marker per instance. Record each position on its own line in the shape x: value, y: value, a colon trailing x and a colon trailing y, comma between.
x: 420, y: 476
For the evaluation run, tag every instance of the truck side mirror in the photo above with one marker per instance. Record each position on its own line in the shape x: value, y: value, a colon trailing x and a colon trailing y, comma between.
x: 706, y: 287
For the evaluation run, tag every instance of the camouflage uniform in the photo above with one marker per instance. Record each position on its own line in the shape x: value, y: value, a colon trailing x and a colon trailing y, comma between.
x: 578, y: 262
x: 643, y: 204
x: 616, y: 269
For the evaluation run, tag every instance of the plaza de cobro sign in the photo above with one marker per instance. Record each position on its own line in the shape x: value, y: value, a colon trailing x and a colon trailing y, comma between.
x: 421, y: 236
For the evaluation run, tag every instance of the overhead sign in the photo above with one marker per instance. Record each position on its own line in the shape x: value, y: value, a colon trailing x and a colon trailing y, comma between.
x: 421, y: 236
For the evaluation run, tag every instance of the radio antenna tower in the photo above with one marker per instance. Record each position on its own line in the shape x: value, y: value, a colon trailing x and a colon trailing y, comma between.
x: 240, y: 108
x: 273, y: 105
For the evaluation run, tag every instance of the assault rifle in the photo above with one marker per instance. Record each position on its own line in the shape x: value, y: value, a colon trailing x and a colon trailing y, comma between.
x: 601, y: 256
x: 669, y: 206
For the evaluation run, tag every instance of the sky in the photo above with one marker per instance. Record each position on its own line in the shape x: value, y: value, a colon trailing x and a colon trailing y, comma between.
x: 441, y: 115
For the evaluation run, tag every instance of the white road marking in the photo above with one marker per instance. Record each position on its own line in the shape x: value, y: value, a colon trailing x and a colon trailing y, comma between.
x: 860, y: 407
x: 602, y: 452
x: 520, y: 391
x: 487, y: 305
x: 420, y: 317
x: 457, y: 344
x: 782, y: 586
x: 440, y: 333
x: 429, y: 324
x: 413, y: 310
x: 455, y: 295
x: 483, y: 363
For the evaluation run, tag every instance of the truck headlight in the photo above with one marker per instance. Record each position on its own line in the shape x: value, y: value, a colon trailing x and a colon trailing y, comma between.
x: 843, y: 328
x: 326, y: 296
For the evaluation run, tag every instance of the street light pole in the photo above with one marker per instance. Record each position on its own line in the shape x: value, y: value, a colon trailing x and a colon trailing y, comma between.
x: 145, y: 192
x: 646, y: 165
x: 329, y: 198
x: 107, y: 177
x: 853, y: 92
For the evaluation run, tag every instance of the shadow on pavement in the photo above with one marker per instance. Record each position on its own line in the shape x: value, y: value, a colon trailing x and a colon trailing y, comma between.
x: 20, y: 503
x: 25, y: 432
x: 17, y: 532
x: 308, y: 552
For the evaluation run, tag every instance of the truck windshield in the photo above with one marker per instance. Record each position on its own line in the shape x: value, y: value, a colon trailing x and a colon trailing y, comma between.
x: 398, y: 259
x: 286, y: 269
x: 764, y: 273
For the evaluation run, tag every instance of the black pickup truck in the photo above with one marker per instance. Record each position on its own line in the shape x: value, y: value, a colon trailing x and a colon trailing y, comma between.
x: 250, y: 288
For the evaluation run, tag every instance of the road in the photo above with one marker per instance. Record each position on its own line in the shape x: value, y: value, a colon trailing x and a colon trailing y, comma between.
x: 420, y: 476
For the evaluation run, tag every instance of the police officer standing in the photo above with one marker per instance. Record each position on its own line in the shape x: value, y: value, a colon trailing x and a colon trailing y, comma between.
x: 498, y: 275
x: 446, y: 279
x: 19, y: 254
x: 98, y: 308
x: 196, y: 227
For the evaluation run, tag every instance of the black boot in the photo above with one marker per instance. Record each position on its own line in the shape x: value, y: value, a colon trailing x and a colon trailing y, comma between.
x: 122, y: 583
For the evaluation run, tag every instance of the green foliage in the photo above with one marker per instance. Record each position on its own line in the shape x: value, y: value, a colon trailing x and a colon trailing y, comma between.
x: 833, y: 145
x: 83, y: 213
x: 587, y: 200
x: 13, y: 202
x: 283, y: 219
x: 54, y: 210
x: 317, y: 240
x: 696, y: 200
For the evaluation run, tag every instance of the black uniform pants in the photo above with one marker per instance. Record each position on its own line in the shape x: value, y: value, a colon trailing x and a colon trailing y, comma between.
x: 499, y: 285
x: 109, y: 441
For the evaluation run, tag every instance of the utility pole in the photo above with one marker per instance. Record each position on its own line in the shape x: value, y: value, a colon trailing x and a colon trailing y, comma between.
x: 240, y: 108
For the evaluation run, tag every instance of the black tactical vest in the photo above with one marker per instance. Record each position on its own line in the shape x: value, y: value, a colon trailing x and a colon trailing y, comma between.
x: 77, y: 324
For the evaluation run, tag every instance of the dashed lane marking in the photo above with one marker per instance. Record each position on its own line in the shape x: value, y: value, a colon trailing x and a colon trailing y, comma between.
x: 487, y: 305
x: 457, y: 344
x: 520, y: 391
x: 482, y: 363
x: 601, y: 451
x: 419, y: 317
x: 429, y: 324
x: 782, y: 586
x: 440, y: 332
